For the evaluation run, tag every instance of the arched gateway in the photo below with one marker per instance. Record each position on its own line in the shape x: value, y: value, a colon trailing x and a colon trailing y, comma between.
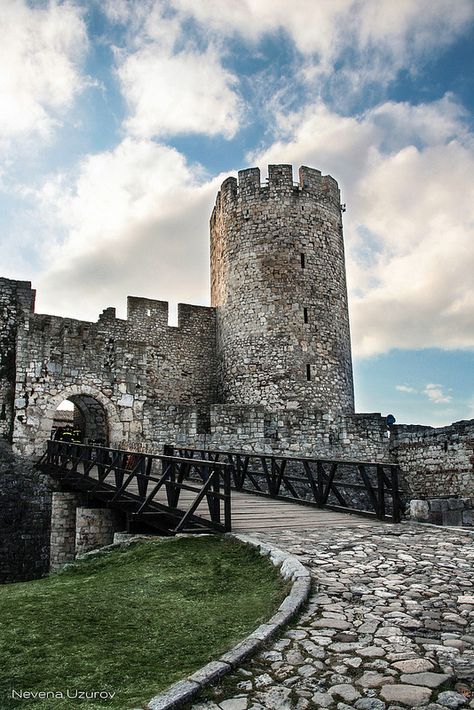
x: 86, y: 416
x: 96, y: 416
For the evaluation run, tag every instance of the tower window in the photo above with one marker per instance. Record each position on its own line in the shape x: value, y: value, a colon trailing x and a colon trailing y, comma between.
x: 303, y: 261
x: 308, y: 372
x: 305, y: 315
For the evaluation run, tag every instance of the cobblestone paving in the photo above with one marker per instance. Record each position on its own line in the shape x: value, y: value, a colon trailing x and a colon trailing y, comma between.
x: 389, y: 624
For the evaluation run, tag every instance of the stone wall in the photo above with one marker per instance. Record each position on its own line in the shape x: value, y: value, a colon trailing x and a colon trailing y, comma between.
x: 443, y: 511
x: 16, y: 302
x: 115, y: 365
x: 256, y: 429
x: 436, y: 462
x: 278, y: 283
x: 25, y: 514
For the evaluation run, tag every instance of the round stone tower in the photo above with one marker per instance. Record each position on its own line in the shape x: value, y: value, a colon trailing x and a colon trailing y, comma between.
x: 278, y: 283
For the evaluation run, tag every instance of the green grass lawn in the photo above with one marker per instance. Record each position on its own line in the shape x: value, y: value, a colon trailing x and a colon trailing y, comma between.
x: 132, y: 621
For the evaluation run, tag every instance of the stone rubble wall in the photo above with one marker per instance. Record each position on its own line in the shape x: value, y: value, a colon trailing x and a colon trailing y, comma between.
x: 253, y: 429
x: 16, y: 302
x: 63, y: 529
x: 76, y: 529
x: 436, y: 462
x: 25, y: 515
x: 443, y: 511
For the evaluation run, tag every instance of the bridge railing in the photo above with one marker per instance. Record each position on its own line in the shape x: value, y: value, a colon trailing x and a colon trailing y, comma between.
x: 364, y: 487
x: 144, y: 476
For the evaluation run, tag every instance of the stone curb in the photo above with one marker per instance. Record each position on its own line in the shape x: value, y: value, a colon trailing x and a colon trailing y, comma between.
x: 290, y: 569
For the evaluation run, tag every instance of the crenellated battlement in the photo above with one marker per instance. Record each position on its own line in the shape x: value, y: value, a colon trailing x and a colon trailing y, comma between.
x: 148, y: 311
x: 147, y: 319
x: 248, y: 187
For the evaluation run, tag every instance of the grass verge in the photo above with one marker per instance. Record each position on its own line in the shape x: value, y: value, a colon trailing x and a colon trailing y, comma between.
x: 132, y: 621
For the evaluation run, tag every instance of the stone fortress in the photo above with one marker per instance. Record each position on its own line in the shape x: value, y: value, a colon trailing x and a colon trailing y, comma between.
x: 266, y: 368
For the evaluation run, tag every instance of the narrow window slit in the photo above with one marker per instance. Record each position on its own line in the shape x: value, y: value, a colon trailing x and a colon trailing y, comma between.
x: 303, y: 261
x: 305, y: 315
x: 308, y: 372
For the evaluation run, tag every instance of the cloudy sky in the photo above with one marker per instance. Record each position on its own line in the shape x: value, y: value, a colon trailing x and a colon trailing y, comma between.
x: 119, y: 119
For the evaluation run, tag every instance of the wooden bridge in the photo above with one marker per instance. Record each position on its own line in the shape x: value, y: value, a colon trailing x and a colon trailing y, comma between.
x: 189, y: 490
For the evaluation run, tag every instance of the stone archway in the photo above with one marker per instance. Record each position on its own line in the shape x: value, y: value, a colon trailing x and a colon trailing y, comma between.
x: 31, y: 439
x: 86, y: 415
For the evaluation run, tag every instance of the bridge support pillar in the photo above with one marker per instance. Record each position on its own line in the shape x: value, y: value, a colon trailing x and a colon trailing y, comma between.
x: 95, y: 527
x: 63, y: 529
x: 76, y: 529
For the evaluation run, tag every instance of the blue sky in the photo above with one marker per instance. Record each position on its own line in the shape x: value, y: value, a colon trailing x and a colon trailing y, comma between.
x: 120, y: 119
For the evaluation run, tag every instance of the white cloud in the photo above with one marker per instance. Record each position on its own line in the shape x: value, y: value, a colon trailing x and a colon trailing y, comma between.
x: 383, y: 35
x: 437, y: 394
x: 186, y: 92
x: 172, y: 71
x: 172, y: 83
x: 410, y: 220
x: 134, y: 220
x: 40, y: 57
x: 405, y: 388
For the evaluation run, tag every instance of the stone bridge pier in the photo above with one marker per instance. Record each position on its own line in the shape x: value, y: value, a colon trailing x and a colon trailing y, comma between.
x: 77, y: 528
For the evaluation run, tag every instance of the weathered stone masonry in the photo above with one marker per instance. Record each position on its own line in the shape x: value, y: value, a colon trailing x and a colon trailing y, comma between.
x: 266, y: 368
x: 278, y: 283
x: 25, y: 516
x: 16, y: 303
x: 122, y: 365
x: 438, y: 467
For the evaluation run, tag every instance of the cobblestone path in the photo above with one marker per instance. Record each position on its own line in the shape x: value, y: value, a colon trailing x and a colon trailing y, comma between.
x: 389, y: 624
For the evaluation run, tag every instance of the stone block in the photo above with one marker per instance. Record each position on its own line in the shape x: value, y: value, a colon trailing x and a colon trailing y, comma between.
x: 419, y: 510
x: 126, y: 400
x: 175, y: 696
x: 452, y: 517
x: 436, y: 505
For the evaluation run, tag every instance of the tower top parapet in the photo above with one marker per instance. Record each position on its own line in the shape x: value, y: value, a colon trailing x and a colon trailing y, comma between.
x: 248, y: 186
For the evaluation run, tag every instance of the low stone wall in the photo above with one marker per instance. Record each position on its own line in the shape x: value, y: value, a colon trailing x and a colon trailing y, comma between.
x: 25, y: 514
x: 255, y: 429
x: 443, y: 511
x: 436, y: 462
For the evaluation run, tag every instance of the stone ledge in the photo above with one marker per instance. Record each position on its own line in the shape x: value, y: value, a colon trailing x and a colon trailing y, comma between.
x: 290, y: 569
